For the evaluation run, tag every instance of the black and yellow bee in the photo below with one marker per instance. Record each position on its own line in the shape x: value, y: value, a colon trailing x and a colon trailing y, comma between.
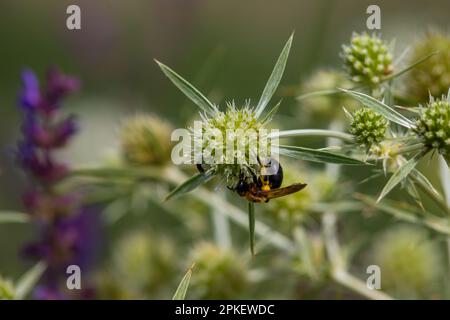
x: 266, y: 187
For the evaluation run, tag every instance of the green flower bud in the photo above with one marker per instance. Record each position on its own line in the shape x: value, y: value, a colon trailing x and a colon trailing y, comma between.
x: 410, y: 263
x: 7, y: 290
x: 367, y: 59
x: 433, y: 75
x: 146, y: 140
x: 325, y: 106
x: 219, y: 273
x: 368, y: 127
x: 434, y: 125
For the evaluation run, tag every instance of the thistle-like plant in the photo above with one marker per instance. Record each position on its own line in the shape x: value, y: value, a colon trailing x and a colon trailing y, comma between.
x: 249, y: 117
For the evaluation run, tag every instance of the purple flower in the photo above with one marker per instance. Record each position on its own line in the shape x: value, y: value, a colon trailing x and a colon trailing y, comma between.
x: 49, y: 136
x: 68, y: 231
x: 59, y: 86
x: 40, y: 165
x: 30, y: 95
x: 48, y: 293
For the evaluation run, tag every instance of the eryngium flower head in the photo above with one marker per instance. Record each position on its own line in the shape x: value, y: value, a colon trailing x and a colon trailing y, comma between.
x: 145, y: 140
x: 409, y: 262
x: 433, y: 75
x: 368, y: 127
x: 144, y: 262
x: 326, y: 106
x: 238, y: 128
x: 367, y: 59
x: 219, y: 273
x: 434, y: 125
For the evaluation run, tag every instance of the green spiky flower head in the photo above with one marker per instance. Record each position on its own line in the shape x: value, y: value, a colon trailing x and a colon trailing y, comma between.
x: 219, y: 273
x: 368, y: 127
x: 434, y: 125
x: 433, y: 75
x: 145, y: 140
x: 409, y: 262
x: 367, y: 59
x: 229, y: 143
x: 144, y: 262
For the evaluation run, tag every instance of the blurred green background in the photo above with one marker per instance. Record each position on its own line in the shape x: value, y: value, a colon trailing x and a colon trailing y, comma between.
x: 227, y: 48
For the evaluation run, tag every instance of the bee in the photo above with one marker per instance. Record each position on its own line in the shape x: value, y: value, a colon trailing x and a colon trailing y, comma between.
x: 267, y: 186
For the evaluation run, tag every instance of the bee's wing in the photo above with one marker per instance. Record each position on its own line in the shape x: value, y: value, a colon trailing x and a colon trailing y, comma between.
x: 280, y: 192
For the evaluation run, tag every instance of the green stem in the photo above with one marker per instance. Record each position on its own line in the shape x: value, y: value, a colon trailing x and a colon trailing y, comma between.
x: 251, y: 226
x: 409, y: 149
x: 313, y: 133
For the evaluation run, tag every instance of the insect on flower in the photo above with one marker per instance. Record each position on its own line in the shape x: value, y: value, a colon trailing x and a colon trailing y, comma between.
x: 250, y: 179
x: 264, y: 187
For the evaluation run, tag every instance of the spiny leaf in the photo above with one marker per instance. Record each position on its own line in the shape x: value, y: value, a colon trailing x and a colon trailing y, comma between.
x: 251, y: 226
x: 275, y: 78
x: 400, y: 174
x: 188, y: 89
x: 27, y: 282
x: 383, y: 109
x: 180, y: 294
x: 408, y: 68
x: 405, y: 212
x: 318, y: 93
x: 424, y: 180
x: 271, y: 113
x: 318, y: 155
x: 312, y: 133
x: 13, y: 217
x: 189, y: 184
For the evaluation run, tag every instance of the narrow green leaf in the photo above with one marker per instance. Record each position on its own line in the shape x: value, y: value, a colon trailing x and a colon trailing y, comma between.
x: 415, y: 110
x: 405, y: 212
x: 383, y: 109
x: 275, y: 78
x: 408, y: 68
x: 180, y: 294
x: 318, y: 93
x: 424, y: 180
x: 398, y: 176
x: 13, y: 217
x: 188, y: 89
x: 312, y: 133
x: 271, y: 113
x: 189, y: 184
x: 118, y: 172
x: 318, y: 156
x: 27, y: 282
x: 251, y: 226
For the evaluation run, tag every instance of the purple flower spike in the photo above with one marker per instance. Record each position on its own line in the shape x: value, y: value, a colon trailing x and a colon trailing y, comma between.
x: 64, y: 131
x: 59, y: 85
x: 30, y: 95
